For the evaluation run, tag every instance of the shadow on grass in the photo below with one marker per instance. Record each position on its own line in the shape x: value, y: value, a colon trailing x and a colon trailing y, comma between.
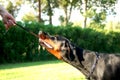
x: 27, y: 64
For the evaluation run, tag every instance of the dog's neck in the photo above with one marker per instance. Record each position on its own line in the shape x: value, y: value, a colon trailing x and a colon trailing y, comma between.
x: 83, y: 60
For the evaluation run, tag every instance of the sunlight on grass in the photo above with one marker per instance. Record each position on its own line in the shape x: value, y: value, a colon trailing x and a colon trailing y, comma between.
x: 46, y: 70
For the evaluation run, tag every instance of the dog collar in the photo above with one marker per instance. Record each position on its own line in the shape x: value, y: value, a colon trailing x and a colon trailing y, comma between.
x: 94, y: 65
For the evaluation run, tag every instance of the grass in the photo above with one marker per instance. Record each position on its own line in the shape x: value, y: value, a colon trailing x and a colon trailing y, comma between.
x: 44, y: 70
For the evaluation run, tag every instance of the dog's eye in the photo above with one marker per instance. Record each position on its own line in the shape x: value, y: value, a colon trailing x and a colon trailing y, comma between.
x: 59, y: 38
x: 63, y: 44
x: 53, y: 38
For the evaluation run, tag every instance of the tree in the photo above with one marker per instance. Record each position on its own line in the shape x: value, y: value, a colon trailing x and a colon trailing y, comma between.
x: 39, y: 18
x: 105, y: 6
x: 49, y: 11
x: 67, y: 6
x: 12, y: 6
x: 29, y: 17
x: 85, y: 11
x: 36, y: 4
x: 45, y: 6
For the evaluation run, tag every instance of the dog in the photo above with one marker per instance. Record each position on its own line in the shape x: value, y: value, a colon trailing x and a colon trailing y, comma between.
x: 94, y: 65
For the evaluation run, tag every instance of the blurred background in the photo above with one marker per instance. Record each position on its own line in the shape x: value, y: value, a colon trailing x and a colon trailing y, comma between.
x: 90, y: 24
x: 62, y: 12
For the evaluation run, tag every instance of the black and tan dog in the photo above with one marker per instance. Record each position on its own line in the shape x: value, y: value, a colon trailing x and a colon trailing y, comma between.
x: 93, y: 65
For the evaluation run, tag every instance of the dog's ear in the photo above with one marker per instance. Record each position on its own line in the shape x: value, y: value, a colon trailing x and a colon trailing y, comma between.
x: 79, y: 53
x: 71, y: 55
x: 71, y: 52
x: 67, y: 50
x: 76, y: 52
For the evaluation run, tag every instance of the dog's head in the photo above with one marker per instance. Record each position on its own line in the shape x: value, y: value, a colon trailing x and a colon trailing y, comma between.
x: 59, y: 46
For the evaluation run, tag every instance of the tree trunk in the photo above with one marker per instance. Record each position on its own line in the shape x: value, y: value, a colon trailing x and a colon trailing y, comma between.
x: 39, y: 19
x: 50, y: 19
x: 84, y: 12
x: 85, y: 22
x: 66, y: 16
x: 70, y: 11
x: 49, y: 12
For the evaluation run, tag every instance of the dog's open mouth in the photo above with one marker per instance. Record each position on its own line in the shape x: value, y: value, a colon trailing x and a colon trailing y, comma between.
x: 50, y: 43
x: 42, y: 37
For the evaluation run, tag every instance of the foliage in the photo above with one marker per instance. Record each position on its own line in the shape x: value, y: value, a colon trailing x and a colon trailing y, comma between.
x: 29, y: 17
x: 19, y: 46
x: 67, y: 6
x: 92, y: 9
x: 96, y: 10
x: 13, y: 6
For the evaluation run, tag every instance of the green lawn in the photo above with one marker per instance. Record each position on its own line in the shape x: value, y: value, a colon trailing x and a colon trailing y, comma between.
x: 44, y: 70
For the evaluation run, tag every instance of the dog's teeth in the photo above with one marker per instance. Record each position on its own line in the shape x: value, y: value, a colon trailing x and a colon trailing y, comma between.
x: 47, y: 45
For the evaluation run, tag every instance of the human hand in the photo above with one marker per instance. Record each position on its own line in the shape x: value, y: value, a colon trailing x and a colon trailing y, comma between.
x: 7, y: 18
